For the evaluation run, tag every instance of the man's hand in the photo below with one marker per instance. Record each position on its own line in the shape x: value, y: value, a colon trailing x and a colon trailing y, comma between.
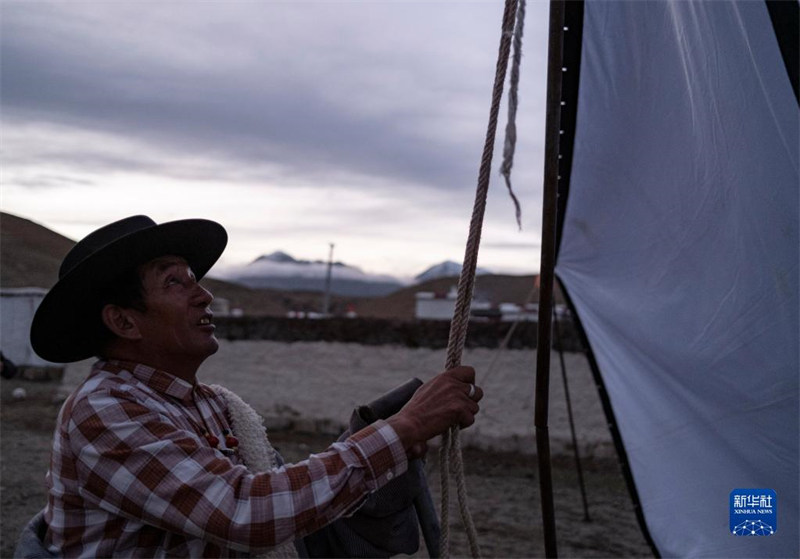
x: 440, y: 403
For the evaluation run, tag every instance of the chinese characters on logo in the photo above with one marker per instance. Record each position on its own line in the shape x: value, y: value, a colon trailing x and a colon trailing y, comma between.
x: 753, y: 512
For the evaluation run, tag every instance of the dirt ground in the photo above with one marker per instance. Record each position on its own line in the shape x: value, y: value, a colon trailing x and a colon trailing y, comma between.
x: 503, y: 488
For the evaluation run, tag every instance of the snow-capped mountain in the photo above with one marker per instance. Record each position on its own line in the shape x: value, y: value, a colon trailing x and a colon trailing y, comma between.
x: 445, y: 269
x: 280, y: 270
x: 279, y: 256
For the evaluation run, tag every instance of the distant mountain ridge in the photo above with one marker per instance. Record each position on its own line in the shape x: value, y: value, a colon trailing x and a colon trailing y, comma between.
x: 281, y: 257
x: 31, y: 255
x: 277, y: 256
x: 445, y: 269
x: 281, y: 270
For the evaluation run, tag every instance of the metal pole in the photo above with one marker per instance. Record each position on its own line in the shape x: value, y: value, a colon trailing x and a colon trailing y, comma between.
x: 326, y: 304
x: 581, y: 484
x: 546, y: 273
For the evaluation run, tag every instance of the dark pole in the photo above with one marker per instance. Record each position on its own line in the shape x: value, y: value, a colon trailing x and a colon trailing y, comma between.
x: 581, y: 484
x: 546, y: 272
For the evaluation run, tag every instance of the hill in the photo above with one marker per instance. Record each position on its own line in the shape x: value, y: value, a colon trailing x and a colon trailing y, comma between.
x: 30, y: 255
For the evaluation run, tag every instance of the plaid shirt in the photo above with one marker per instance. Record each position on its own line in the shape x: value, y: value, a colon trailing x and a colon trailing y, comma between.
x: 132, y: 474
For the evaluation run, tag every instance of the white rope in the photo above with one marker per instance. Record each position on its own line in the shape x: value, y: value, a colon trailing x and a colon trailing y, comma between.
x: 450, y: 451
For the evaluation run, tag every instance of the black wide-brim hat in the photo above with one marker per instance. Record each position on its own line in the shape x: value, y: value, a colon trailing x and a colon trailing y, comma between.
x: 65, y: 326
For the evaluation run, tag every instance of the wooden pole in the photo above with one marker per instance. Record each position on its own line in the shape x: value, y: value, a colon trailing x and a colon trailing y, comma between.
x: 546, y: 273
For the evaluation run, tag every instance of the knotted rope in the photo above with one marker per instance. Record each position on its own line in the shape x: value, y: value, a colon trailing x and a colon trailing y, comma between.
x: 451, y: 443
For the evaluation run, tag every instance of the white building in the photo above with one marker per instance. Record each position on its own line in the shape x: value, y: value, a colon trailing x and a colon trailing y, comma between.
x: 221, y: 306
x: 17, y: 307
x: 434, y: 306
x: 440, y: 306
x: 512, y: 312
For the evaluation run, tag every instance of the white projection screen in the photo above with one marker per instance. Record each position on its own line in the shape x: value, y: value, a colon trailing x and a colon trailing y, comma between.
x: 679, y: 251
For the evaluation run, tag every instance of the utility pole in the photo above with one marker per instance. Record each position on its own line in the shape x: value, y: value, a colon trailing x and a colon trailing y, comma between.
x: 326, y: 305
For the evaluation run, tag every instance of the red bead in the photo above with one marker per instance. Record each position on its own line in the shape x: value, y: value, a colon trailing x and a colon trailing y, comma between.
x: 212, y: 440
x: 231, y: 441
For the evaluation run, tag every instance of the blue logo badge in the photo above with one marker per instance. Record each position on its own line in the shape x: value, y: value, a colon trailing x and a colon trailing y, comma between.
x: 754, y: 512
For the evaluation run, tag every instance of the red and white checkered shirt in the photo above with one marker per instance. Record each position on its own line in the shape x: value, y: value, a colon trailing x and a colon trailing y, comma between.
x: 132, y: 474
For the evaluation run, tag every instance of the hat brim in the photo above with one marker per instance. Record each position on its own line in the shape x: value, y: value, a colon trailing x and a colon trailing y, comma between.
x: 64, y: 328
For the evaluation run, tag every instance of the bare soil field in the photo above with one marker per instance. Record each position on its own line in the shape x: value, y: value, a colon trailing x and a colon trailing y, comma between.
x: 306, y: 392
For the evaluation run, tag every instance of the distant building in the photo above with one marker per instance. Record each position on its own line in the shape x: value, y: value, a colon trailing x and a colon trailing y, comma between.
x: 221, y: 306
x: 17, y: 307
x: 512, y: 312
x: 440, y: 306
x: 313, y: 315
x: 434, y: 306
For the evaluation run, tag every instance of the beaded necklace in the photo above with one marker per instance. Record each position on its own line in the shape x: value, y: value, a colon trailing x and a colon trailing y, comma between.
x: 231, y: 443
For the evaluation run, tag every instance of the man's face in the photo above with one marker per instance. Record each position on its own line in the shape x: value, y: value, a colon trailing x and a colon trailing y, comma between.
x: 176, y: 325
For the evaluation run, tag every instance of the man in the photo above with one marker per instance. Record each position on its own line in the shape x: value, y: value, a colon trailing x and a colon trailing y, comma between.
x: 145, y: 458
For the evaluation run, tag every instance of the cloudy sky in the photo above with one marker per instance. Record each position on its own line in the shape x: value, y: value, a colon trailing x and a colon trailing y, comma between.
x: 294, y: 124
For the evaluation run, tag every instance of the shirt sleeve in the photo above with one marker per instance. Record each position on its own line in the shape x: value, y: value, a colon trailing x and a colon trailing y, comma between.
x: 135, y: 462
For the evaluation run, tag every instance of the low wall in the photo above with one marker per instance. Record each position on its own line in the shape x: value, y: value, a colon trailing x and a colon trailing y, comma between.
x: 367, y: 331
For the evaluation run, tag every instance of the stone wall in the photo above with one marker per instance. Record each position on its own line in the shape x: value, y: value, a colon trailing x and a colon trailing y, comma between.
x: 366, y: 331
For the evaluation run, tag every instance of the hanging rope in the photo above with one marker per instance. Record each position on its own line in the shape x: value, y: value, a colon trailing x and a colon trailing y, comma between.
x: 511, y: 126
x: 451, y: 443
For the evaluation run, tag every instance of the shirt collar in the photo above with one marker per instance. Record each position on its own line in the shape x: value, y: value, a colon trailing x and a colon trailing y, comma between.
x: 158, y: 380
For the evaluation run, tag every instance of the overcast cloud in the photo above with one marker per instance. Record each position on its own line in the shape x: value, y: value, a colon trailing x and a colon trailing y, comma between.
x: 295, y: 124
